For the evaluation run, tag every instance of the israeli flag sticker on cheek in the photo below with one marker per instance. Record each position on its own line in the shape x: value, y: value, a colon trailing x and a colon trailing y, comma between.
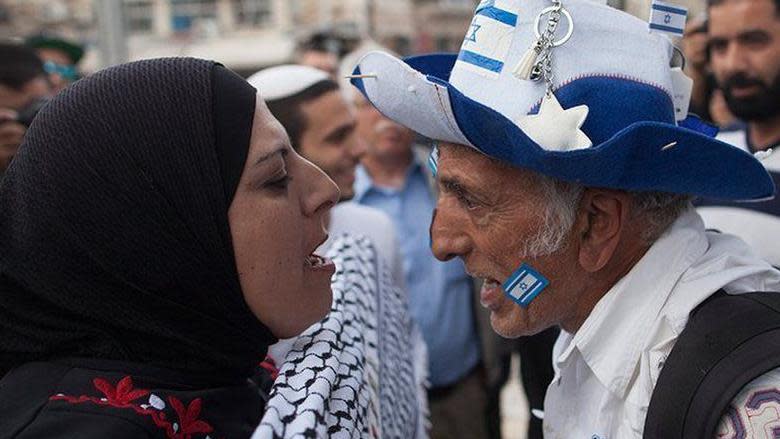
x: 524, y: 285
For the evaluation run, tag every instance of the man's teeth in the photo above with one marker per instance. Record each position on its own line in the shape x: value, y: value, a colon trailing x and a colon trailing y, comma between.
x: 491, y: 283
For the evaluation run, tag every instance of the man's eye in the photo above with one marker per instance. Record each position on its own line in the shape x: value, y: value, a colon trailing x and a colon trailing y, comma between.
x: 717, y: 46
x: 467, y: 202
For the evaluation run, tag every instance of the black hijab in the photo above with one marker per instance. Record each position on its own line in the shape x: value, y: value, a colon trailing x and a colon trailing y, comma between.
x: 114, y: 237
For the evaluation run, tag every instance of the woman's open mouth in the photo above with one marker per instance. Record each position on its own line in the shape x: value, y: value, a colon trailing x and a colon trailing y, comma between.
x: 319, y: 263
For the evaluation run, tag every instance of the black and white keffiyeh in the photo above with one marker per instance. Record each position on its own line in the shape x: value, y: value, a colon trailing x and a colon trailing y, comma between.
x: 361, y: 371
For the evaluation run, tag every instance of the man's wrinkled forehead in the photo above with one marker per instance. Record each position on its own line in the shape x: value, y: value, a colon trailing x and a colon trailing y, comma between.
x: 477, y: 170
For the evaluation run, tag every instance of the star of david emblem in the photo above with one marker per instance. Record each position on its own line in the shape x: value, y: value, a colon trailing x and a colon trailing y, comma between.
x: 472, y: 36
x: 555, y: 128
x: 667, y: 18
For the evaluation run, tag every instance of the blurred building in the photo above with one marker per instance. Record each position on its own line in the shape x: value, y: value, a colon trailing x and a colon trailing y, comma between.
x: 247, y: 35
x: 441, y: 24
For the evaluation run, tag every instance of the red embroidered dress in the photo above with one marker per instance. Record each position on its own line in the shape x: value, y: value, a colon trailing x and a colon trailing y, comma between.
x: 55, y: 400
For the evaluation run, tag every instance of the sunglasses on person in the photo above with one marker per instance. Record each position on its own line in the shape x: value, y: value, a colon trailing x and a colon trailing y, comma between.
x: 66, y: 71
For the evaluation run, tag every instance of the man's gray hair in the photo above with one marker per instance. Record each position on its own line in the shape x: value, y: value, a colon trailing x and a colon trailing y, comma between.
x: 561, y: 200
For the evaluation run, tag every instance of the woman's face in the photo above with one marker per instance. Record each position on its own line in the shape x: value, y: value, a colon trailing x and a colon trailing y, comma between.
x: 277, y: 220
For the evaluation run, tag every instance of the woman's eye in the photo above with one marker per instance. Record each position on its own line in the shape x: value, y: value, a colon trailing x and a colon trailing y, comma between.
x: 279, y: 183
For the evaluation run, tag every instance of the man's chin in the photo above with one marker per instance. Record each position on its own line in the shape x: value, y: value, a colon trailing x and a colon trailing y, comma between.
x: 507, y: 327
x: 513, y: 324
x: 346, y: 196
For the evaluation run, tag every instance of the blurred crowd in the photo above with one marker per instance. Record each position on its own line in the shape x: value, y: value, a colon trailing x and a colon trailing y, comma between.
x: 732, y: 53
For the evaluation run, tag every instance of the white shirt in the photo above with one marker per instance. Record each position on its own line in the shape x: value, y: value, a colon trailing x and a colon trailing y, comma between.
x: 359, y: 220
x: 759, y: 229
x: 605, y: 372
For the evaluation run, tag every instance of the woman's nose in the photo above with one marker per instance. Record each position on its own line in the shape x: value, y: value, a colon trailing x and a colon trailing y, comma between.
x: 320, y: 192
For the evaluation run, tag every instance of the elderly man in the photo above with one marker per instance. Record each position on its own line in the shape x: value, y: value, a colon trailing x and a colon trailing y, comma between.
x: 394, y: 178
x: 566, y: 167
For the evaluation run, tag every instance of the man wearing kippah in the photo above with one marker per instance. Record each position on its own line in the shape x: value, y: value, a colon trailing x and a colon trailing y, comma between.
x: 566, y: 165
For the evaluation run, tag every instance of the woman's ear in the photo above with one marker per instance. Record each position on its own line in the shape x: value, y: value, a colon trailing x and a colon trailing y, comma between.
x: 603, y: 217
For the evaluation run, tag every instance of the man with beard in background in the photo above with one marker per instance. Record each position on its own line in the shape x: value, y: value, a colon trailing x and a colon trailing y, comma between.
x: 744, y: 50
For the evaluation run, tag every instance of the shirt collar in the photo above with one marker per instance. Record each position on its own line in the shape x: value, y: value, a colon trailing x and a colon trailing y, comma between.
x: 364, y: 183
x: 618, y: 328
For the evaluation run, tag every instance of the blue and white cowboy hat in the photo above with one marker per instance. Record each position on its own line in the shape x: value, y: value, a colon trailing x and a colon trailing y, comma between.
x: 615, y: 126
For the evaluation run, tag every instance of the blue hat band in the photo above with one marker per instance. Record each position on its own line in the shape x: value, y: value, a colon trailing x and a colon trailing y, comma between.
x: 615, y: 103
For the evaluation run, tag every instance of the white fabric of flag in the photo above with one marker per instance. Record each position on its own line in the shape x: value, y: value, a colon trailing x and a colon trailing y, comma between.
x: 667, y: 18
x: 485, y: 48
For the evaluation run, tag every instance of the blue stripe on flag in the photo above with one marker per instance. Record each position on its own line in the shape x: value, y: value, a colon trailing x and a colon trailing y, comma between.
x: 669, y: 29
x: 671, y: 9
x: 478, y: 60
x: 529, y: 296
x: 512, y: 282
x: 497, y: 14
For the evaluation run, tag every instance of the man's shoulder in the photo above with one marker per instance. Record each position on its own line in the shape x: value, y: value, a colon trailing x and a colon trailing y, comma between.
x: 728, y: 341
x: 360, y: 211
x: 359, y: 220
x: 734, y: 135
x: 351, y: 217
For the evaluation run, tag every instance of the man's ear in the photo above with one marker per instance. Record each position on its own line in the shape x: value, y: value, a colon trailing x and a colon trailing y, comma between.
x: 602, y: 220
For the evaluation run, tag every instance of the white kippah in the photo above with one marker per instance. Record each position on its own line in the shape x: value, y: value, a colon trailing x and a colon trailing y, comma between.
x: 287, y: 80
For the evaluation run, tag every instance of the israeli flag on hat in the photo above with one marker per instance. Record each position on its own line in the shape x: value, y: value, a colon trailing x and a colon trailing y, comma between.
x: 488, y: 39
x: 667, y: 18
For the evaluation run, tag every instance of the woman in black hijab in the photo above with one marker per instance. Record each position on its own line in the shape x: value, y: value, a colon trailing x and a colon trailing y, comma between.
x: 156, y: 235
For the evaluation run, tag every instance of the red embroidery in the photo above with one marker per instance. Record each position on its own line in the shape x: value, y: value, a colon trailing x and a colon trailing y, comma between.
x: 124, y: 395
x: 269, y: 365
x: 188, y: 418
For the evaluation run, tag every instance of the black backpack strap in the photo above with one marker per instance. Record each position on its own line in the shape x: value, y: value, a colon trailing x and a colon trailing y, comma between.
x: 727, y: 342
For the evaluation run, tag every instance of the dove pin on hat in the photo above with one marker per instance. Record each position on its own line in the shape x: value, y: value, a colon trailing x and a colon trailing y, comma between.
x: 571, y: 89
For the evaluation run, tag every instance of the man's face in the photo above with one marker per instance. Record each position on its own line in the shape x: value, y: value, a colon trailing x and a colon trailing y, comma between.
x: 329, y: 139
x: 384, y: 138
x: 744, y: 45
x: 57, y: 63
x: 13, y: 99
x: 11, y: 102
x: 486, y: 215
x: 325, y: 61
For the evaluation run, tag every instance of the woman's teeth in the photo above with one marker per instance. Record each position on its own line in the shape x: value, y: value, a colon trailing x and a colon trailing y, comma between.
x: 314, y: 260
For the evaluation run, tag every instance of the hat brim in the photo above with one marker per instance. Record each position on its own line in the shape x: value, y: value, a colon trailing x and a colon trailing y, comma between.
x: 643, y: 156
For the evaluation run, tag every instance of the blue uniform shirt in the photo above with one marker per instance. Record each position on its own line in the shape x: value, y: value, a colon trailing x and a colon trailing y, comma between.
x: 439, y: 292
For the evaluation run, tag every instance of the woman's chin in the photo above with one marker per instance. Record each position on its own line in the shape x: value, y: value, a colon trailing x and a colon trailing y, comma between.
x: 315, y: 310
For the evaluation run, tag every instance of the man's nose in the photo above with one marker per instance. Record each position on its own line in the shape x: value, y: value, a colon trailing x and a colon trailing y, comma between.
x: 733, y: 60
x: 357, y: 147
x: 447, y: 238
